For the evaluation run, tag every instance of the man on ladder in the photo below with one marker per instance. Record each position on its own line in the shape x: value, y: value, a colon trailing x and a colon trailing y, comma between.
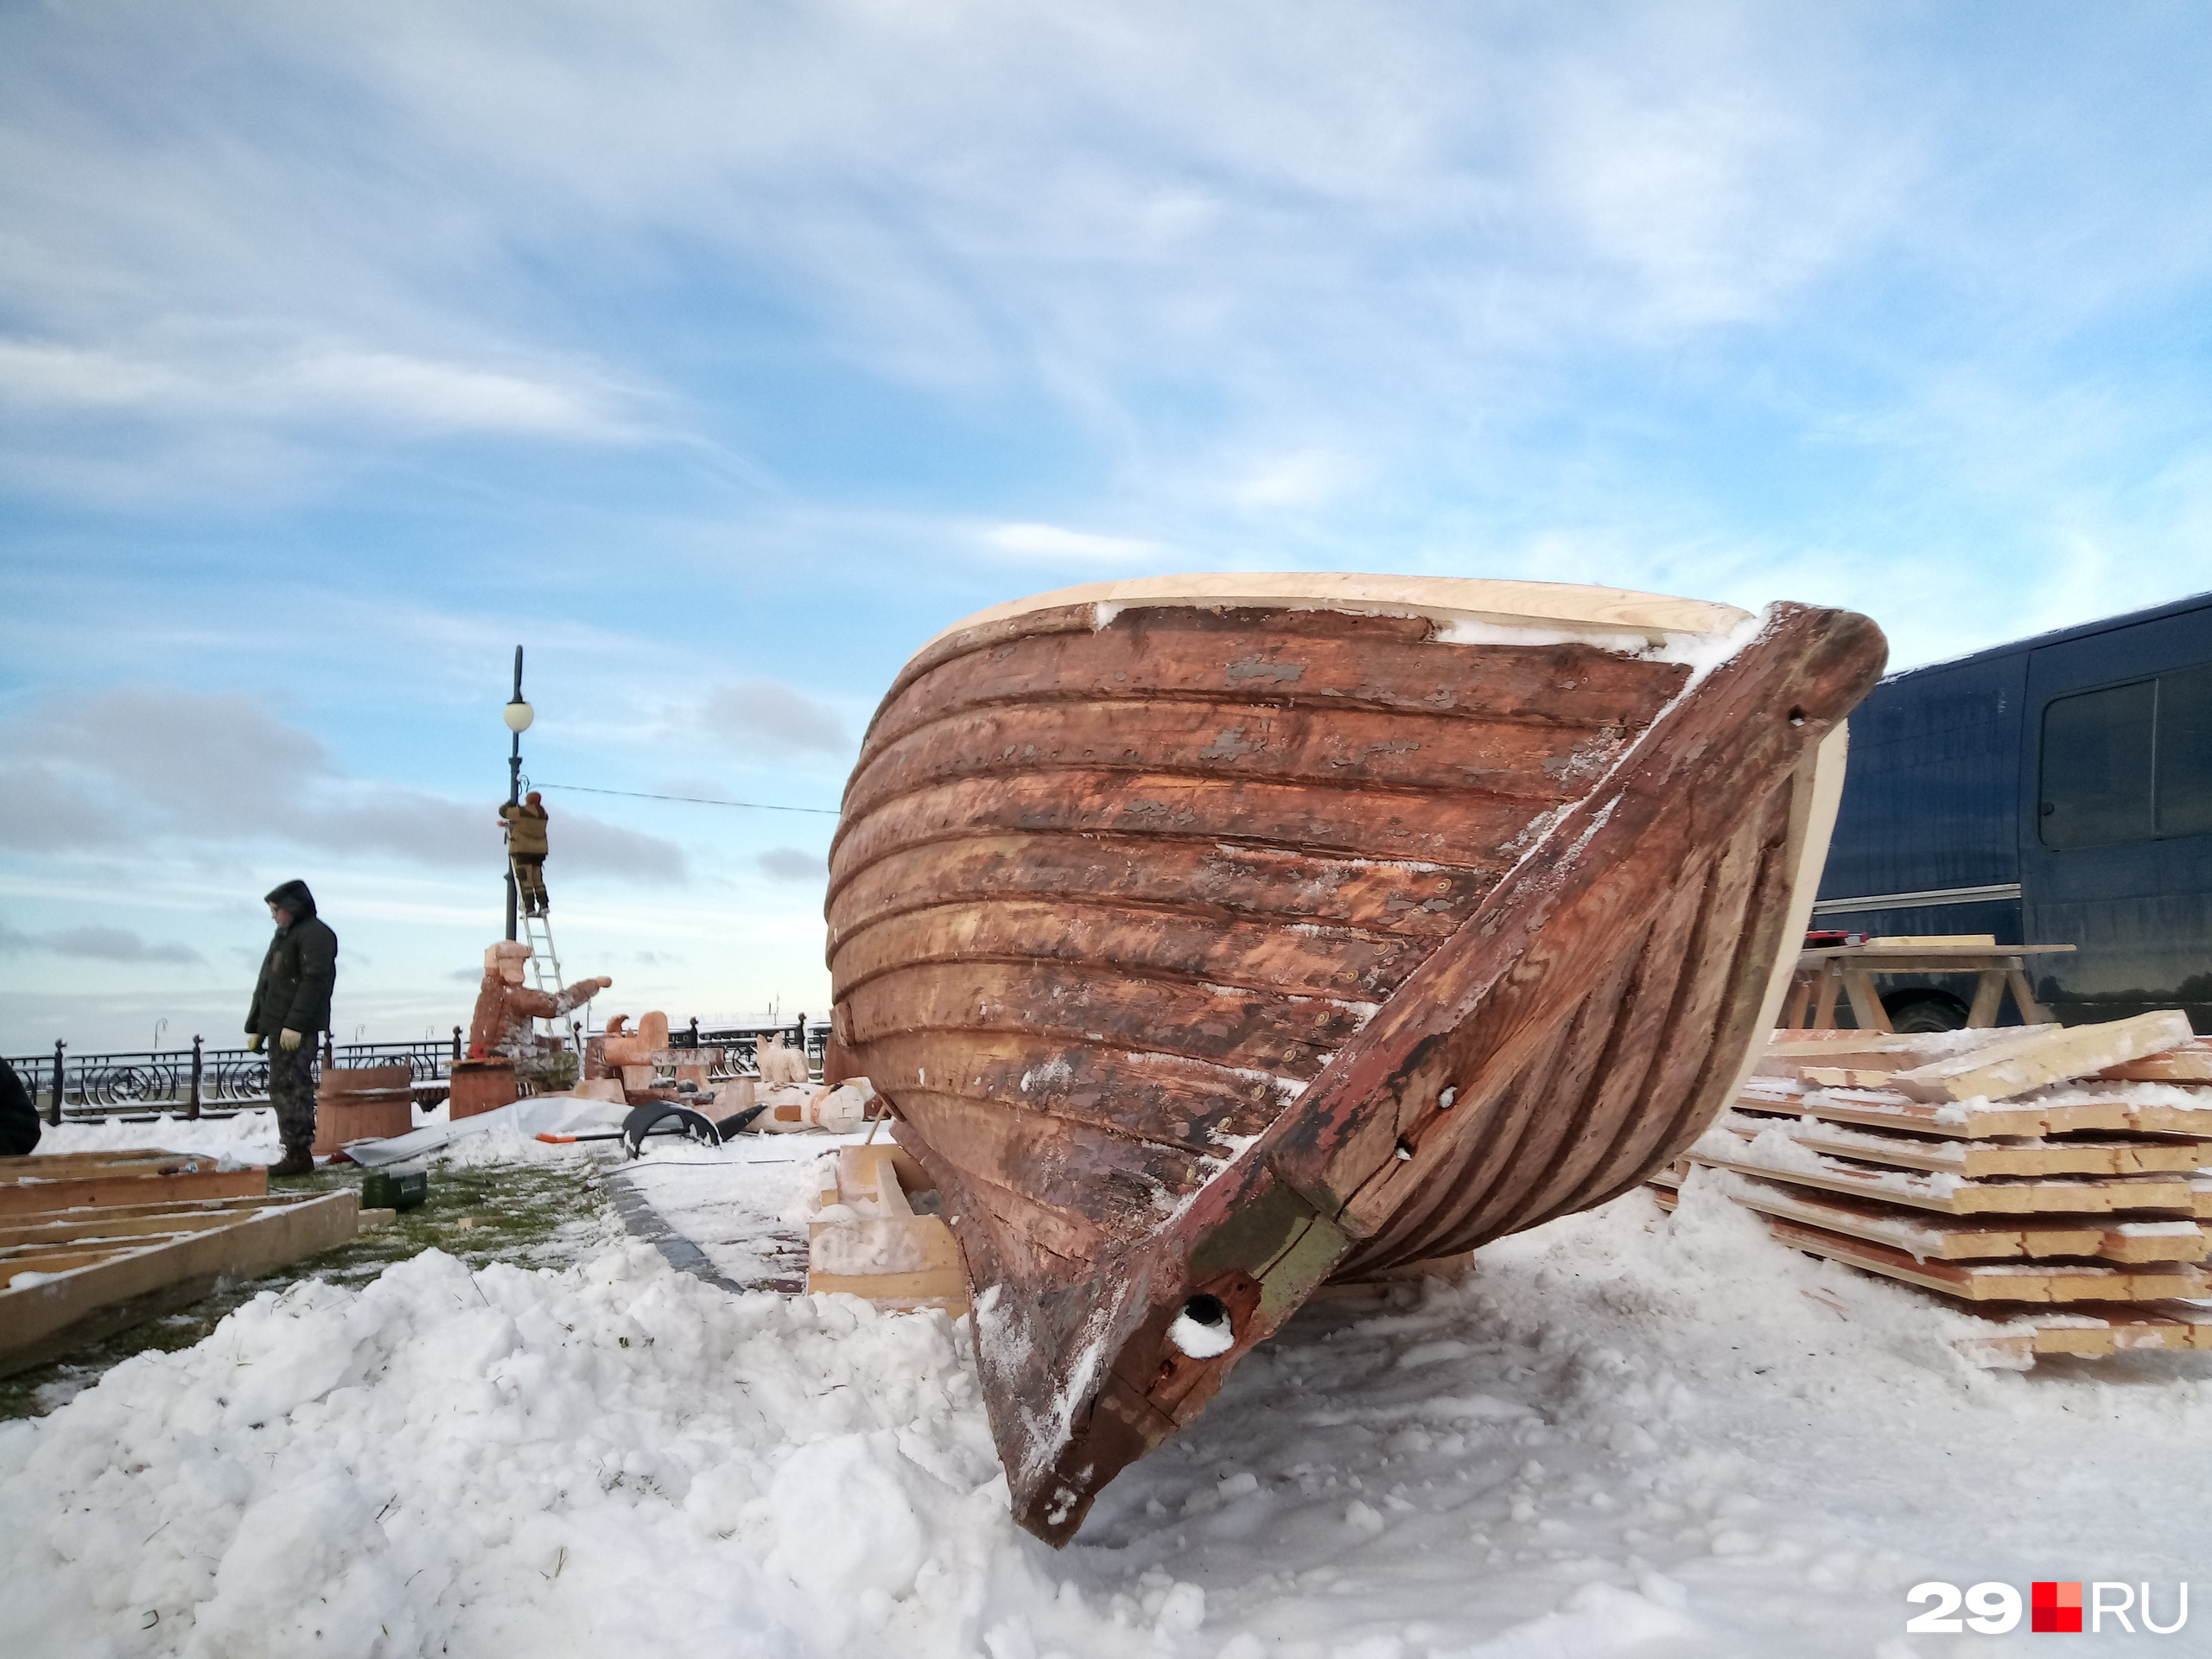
x: 525, y: 824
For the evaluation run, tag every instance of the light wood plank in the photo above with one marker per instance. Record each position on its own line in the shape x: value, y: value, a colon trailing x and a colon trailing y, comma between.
x: 2167, y: 1194
x: 2005, y: 1282
x: 1926, y: 1236
x: 1978, y: 1159
x: 2031, y: 1060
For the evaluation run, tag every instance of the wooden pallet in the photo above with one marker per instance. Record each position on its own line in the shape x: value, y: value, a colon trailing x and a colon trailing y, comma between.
x: 68, y: 1278
x: 72, y: 1180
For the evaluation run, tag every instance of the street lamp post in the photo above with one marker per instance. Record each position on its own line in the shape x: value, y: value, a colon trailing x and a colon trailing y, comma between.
x: 518, y: 714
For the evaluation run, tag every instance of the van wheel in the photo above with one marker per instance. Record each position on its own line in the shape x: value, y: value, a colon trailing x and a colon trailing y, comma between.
x: 1914, y: 1012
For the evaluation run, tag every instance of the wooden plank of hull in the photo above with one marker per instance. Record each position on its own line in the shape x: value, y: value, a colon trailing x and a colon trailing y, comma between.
x: 1314, y: 961
x: 1288, y: 1036
x: 1468, y: 832
x: 1203, y: 880
x: 1114, y: 1183
x: 1602, y: 1114
x: 1591, y: 1013
x: 1288, y: 659
x: 1460, y: 1197
x: 1538, y: 765
x: 1194, y: 1106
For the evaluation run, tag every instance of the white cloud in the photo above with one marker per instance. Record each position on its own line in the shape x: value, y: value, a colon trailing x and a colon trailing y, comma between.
x: 1054, y: 543
x: 761, y: 714
x: 62, y: 376
x: 790, y: 864
x: 1304, y: 478
x: 96, y: 944
x: 141, y: 771
x: 414, y: 391
x: 313, y: 382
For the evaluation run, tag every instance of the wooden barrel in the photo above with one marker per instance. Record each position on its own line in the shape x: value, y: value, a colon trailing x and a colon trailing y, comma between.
x: 481, y: 1086
x: 367, y: 1103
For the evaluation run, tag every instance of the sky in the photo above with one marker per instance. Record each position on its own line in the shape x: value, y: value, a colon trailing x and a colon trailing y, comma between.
x: 721, y: 353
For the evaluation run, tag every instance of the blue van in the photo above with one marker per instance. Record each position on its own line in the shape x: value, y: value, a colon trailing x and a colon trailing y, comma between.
x: 2057, y: 790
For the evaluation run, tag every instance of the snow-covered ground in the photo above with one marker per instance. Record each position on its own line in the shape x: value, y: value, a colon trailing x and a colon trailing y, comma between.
x: 1625, y: 1435
x: 744, y: 1203
x: 248, y: 1137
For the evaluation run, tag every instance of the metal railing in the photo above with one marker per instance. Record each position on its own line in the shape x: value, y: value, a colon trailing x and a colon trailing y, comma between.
x: 217, y: 1082
x: 812, y: 1037
x: 194, y: 1081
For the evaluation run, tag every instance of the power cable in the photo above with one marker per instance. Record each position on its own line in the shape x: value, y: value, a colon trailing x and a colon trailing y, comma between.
x: 695, y: 800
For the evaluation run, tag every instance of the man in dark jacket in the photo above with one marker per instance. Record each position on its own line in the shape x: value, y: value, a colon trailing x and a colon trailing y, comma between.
x: 19, y: 1129
x: 291, y: 1004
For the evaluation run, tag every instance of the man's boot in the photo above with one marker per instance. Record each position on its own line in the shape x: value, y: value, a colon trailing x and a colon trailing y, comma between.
x: 296, y: 1160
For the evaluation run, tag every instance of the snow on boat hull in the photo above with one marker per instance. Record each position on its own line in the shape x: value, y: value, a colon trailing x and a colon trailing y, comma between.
x: 1212, y: 937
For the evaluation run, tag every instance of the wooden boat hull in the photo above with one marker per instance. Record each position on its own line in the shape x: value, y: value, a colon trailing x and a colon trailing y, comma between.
x: 1215, y: 937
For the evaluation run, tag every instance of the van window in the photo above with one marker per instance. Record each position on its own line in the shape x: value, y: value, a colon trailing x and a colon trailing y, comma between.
x: 2096, y: 766
x: 2184, y: 771
x: 2128, y: 762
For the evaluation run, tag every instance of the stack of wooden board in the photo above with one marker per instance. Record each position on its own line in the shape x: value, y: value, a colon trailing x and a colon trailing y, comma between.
x: 91, y: 1243
x: 2049, y: 1178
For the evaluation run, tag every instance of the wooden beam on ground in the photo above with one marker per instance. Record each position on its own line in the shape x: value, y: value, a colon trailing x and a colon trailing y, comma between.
x: 1883, y: 1110
x: 42, y: 1318
x: 75, y: 1180
x: 123, y: 1220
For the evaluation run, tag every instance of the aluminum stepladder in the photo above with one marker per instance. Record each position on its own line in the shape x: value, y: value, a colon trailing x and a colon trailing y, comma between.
x: 537, y: 932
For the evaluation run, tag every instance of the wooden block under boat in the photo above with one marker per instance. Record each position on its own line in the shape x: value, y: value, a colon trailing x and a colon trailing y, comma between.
x: 1212, y: 938
x: 31, y: 1184
x: 887, y: 1254
x: 69, y: 1281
